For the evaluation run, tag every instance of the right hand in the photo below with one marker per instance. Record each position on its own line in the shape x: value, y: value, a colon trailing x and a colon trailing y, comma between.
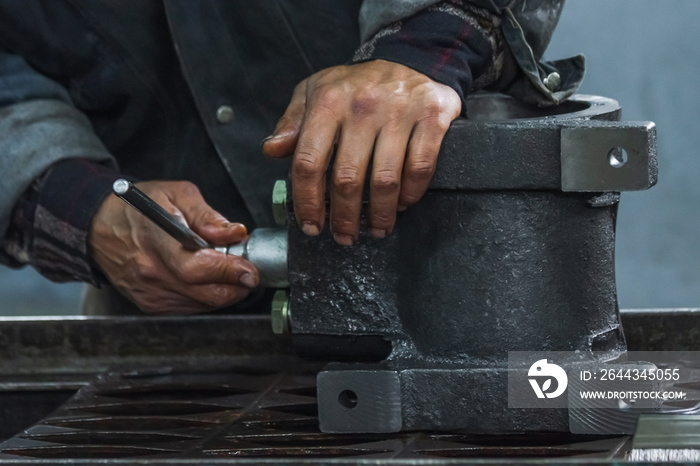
x: 155, y: 271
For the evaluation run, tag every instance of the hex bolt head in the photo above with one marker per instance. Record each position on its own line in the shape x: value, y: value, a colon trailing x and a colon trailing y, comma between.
x: 279, y: 202
x: 280, y: 313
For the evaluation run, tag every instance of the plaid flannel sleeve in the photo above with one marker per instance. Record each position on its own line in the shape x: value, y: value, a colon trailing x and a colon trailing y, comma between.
x: 453, y: 42
x: 51, y: 221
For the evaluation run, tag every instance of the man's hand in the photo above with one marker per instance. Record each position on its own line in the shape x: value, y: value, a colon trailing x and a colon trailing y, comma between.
x: 154, y: 270
x: 381, y: 115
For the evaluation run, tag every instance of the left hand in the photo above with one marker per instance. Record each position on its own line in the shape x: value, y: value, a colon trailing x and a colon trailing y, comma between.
x: 379, y: 113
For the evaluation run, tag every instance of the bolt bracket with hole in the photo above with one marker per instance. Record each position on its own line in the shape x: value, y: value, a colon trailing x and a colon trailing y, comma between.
x: 600, y: 156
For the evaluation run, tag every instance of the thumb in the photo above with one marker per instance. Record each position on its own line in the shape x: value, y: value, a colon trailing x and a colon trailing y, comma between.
x: 202, y: 219
x: 220, y: 232
x: 283, y: 140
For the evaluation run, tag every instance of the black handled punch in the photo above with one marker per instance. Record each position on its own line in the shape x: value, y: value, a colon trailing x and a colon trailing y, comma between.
x: 137, y: 199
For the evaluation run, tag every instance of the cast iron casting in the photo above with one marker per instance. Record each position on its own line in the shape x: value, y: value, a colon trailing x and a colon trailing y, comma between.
x: 511, y: 249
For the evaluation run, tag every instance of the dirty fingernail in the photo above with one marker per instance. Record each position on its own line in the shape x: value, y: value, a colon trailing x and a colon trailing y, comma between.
x: 377, y: 233
x: 310, y: 229
x: 248, y: 279
x: 343, y: 240
x: 266, y: 139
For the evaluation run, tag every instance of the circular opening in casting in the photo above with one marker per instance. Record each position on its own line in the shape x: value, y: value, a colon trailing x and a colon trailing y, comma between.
x: 347, y: 399
x: 617, y: 157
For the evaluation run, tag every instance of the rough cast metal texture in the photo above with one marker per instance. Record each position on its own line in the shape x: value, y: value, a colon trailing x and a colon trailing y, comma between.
x: 494, y: 258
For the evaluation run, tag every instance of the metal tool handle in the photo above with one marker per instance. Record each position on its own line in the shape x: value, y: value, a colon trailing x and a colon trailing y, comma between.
x: 158, y: 215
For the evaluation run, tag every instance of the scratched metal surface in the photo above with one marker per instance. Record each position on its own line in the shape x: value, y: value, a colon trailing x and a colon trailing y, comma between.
x: 252, y: 410
x: 249, y: 412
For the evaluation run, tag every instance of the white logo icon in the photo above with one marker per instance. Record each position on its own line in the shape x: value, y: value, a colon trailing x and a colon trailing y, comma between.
x: 550, y: 370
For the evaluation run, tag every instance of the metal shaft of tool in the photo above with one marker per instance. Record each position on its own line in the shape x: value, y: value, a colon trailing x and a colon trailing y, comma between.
x: 158, y: 215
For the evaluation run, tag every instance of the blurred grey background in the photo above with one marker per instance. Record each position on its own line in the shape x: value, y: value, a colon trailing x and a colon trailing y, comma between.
x: 645, y: 54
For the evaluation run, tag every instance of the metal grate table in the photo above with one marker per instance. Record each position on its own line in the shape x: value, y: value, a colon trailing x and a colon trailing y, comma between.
x: 223, y: 389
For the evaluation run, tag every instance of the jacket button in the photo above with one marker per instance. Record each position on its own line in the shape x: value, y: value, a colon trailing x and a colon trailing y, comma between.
x: 224, y: 114
x: 552, y: 81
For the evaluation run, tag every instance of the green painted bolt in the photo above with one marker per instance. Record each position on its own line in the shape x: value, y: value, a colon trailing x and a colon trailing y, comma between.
x: 280, y: 312
x: 279, y: 202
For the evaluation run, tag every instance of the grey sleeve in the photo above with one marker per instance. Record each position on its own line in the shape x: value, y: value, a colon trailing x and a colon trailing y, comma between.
x: 39, y: 126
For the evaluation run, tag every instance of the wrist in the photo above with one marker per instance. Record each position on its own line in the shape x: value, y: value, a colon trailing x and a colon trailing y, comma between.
x: 69, y: 197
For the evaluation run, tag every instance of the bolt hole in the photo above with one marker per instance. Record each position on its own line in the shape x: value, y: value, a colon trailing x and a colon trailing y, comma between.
x: 617, y: 157
x: 347, y: 399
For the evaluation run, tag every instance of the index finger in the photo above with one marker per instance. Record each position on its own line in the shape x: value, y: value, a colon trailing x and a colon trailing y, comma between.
x: 309, y: 167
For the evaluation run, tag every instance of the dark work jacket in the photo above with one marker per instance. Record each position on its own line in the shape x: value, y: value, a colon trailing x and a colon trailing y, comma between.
x: 150, y: 77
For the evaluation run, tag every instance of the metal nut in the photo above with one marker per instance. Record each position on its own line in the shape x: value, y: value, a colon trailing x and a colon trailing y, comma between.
x: 280, y: 313
x: 279, y: 202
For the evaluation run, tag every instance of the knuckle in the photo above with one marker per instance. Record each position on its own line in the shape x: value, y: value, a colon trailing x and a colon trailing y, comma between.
x: 420, y: 170
x: 187, y: 188
x: 223, y: 270
x: 438, y: 107
x: 190, y: 275
x: 385, y: 181
x: 306, y: 165
x: 329, y: 96
x: 365, y: 102
x: 347, y: 181
x: 432, y: 108
x: 434, y: 101
x: 442, y: 124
